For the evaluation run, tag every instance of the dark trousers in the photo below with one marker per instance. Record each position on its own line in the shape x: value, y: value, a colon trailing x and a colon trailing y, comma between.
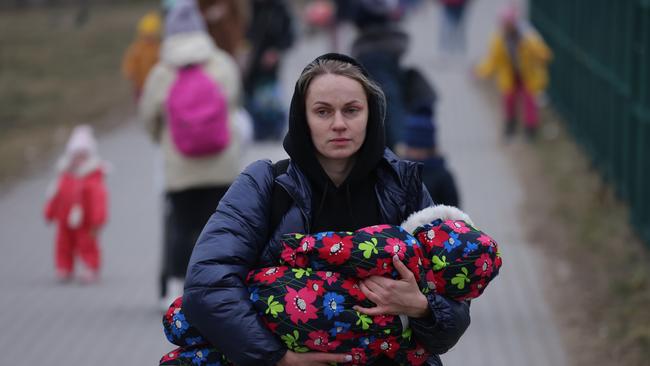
x: 185, y: 214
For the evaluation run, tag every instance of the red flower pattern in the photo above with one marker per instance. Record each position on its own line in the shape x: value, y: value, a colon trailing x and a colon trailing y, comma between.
x: 270, y: 274
x: 483, y: 266
x: 395, y: 247
x: 484, y: 240
x: 458, y: 226
x: 433, y: 238
x: 436, y: 281
x: 352, y: 286
x: 307, y: 244
x: 316, y: 286
x: 293, y: 258
x: 375, y: 229
x: 329, y: 276
x: 387, y: 346
x: 417, y: 356
x: 319, y: 341
x: 383, y: 319
x: 336, y: 249
x: 299, y: 304
x: 358, y: 356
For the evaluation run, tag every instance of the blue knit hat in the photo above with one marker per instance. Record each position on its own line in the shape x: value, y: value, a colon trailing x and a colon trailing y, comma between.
x: 419, y: 131
x: 184, y: 17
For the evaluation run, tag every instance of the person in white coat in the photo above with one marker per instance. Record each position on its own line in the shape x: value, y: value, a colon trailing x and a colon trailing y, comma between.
x: 192, y: 185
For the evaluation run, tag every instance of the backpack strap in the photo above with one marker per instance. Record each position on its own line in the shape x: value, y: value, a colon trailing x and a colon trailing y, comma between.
x: 280, y: 199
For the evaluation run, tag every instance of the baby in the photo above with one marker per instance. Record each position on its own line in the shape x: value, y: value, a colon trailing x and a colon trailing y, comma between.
x: 308, y: 298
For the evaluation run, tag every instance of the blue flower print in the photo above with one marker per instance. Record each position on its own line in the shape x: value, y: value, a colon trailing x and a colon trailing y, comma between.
x: 332, y: 304
x: 192, y: 341
x: 199, y: 356
x: 179, y: 324
x: 324, y: 234
x: 469, y: 248
x: 410, y: 241
x: 254, y: 294
x: 364, y: 342
x: 452, y: 242
x: 339, y: 327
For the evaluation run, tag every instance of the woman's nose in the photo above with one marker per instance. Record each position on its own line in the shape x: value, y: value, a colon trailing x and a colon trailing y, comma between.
x: 339, y: 122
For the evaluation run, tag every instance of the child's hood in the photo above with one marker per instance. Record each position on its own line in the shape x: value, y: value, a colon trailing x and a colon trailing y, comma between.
x: 430, y: 214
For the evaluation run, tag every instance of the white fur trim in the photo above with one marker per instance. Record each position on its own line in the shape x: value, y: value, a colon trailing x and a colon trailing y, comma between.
x: 432, y: 213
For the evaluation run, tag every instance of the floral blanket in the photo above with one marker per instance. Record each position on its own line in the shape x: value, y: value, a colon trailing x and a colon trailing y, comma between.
x: 307, y: 298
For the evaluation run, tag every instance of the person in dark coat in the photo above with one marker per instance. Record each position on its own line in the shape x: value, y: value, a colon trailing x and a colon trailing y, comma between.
x: 379, y: 46
x: 420, y: 146
x: 270, y: 34
x: 340, y: 177
x: 419, y: 138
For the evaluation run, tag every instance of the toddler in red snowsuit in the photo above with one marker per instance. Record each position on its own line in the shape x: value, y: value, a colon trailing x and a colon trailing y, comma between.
x: 77, y: 203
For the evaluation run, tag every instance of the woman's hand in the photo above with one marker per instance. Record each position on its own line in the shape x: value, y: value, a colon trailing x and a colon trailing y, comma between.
x: 313, y: 359
x: 394, y: 297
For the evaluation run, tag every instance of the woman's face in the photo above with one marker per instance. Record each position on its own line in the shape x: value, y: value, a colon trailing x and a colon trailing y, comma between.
x: 337, y: 115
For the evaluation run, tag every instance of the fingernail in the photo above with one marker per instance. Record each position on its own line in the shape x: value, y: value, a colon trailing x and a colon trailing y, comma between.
x: 395, y: 257
x: 348, y: 358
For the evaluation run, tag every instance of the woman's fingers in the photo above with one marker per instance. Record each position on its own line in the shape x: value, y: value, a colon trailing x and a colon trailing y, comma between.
x: 319, y: 358
x: 313, y: 359
x: 377, y: 310
x: 371, y: 295
x: 377, y: 285
x: 404, y: 272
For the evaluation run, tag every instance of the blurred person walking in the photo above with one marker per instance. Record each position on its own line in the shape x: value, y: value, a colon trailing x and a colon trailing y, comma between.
x: 518, y: 58
x: 77, y: 203
x: 270, y: 34
x: 419, y: 139
x: 142, y: 54
x: 452, y: 27
x: 379, y: 46
x: 227, y: 21
x: 188, y: 106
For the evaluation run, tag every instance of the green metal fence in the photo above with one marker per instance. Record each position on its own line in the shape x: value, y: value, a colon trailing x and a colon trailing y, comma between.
x: 600, y: 83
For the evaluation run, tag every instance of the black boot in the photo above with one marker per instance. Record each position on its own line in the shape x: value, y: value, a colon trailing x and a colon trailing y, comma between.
x: 510, y: 129
x: 531, y: 133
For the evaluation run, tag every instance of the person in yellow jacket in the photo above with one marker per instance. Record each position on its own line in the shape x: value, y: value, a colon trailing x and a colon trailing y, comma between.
x: 518, y: 58
x: 143, y: 53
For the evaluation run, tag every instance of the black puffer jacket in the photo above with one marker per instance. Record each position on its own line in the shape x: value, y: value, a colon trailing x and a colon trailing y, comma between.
x: 238, y: 238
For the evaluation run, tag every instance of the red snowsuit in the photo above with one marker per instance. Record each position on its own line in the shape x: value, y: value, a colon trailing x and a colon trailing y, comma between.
x: 77, y: 231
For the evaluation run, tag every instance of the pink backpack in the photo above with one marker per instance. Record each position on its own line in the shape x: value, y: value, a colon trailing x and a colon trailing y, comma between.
x: 198, y: 113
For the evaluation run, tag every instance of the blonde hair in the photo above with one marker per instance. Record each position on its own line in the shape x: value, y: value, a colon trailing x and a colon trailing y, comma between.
x: 320, y: 67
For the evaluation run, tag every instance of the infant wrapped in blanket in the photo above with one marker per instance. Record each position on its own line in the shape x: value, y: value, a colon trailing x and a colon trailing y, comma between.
x: 308, y: 298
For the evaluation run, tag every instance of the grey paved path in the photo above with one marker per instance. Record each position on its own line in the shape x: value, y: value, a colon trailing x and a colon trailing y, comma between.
x: 116, y: 321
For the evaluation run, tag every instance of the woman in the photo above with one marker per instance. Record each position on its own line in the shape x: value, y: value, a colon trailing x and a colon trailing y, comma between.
x: 193, y: 185
x: 341, y: 177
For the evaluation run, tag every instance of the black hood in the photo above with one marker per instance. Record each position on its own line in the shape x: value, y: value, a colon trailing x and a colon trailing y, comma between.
x: 301, y: 150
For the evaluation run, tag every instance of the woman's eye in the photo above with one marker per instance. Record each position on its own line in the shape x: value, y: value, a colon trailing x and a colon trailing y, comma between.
x: 352, y: 110
x: 321, y: 112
